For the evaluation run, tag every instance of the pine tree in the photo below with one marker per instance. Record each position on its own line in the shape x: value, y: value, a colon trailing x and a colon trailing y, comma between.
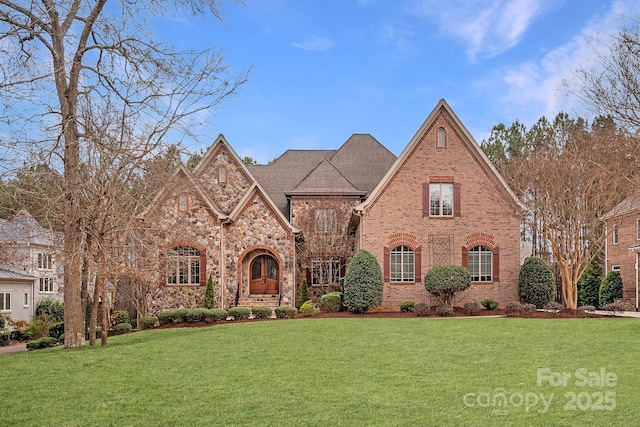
x: 210, y: 295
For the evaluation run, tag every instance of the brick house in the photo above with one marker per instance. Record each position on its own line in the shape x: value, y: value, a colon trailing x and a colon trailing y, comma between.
x: 442, y: 202
x: 258, y: 230
x: 622, y: 245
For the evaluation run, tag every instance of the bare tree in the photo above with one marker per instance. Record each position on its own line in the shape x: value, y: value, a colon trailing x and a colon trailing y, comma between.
x: 57, y: 52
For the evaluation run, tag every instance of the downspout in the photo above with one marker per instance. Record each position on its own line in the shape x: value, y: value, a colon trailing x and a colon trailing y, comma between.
x: 606, y: 248
x: 222, y: 264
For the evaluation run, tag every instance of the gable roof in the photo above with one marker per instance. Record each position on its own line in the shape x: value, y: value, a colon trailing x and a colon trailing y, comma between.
x: 209, y: 156
x: 325, y: 179
x: 470, y: 144
x: 22, y: 228
x: 248, y: 196
x: 629, y: 205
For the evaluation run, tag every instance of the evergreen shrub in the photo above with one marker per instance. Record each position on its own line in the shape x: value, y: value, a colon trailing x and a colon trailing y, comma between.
x: 122, y: 328
x: 215, y: 315
x: 309, y: 309
x: 286, y: 312
x: 262, y: 312
x: 363, y: 283
x: 489, y: 304
x: 332, y: 301
x: 407, y: 306
x: 611, y: 288
x: 148, y: 322
x: 445, y: 281
x: 536, y: 284
x: 239, y: 313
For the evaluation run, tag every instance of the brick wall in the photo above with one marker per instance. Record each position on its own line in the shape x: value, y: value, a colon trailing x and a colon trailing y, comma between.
x: 619, y: 254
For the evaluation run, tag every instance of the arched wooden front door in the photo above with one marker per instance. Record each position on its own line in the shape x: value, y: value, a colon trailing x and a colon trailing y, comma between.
x: 264, y: 275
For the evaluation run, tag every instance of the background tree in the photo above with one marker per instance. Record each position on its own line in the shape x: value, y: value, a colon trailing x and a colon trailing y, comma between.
x: 363, y: 283
x: 55, y: 53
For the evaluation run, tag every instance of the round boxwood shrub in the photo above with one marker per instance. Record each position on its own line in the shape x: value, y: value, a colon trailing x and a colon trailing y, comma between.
x: 180, y: 315
x: 332, y: 301
x: 261, y: 312
x: 165, y: 317
x: 445, y: 281
x: 148, y: 322
x: 535, y: 282
x: 363, y: 283
x: 444, y: 310
x: 286, y: 312
x: 422, y: 309
x: 122, y: 328
x: 195, y: 315
x: 215, y: 315
x: 239, y: 313
x: 611, y: 288
x: 472, y: 308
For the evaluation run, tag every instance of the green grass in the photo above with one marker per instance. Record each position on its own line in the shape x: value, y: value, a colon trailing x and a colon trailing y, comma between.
x: 329, y: 372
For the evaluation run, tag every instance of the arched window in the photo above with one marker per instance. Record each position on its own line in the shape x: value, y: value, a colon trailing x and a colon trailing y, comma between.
x: 402, y: 262
x: 480, y: 264
x: 183, y: 266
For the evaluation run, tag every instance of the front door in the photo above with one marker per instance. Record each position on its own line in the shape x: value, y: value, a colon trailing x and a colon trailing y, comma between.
x: 264, y: 275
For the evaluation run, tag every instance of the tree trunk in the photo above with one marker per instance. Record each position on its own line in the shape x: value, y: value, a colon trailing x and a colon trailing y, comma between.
x: 93, y: 318
x: 105, y: 315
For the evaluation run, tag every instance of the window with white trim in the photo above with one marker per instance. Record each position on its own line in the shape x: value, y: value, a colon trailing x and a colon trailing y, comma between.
x: 402, y: 264
x: 46, y: 285
x: 480, y: 264
x: 45, y: 261
x: 638, y: 229
x: 325, y: 271
x: 5, y: 301
x: 183, y: 266
x: 441, y: 199
x: 615, y: 268
x: 25, y: 300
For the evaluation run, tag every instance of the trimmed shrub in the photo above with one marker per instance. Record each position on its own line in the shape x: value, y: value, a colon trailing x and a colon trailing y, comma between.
x: 195, y: 315
x: 303, y: 293
x: 611, y: 288
x: 528, y: 309
x: 536, y: 284
x: 52, y: 308
x: 56, y: 329
x: 121, y: 316
x: 332, y: 301
x: 589, y: 284
x: 407, y: 306
x: 122, y: 328
x: 5, y: 339
x: 554, y: 306
x: 489, y: 304
x: 44, y: 342
x: 2, y: 322
x: 148, y: 322
x: 262, y: 312
x: 39, y: 328
x: 472, y: 308
x: 286, y: 312
x: 209, y: 295
x: 165, y: 317
x: 444, y: 310
x: 215, y: 315
x: 239, y: 313
x: 363, y: 283
x: 445, y: 281
x: 613, y: 308
x: 180, y: 315
x: 422, y: 309
x: 309, y: 309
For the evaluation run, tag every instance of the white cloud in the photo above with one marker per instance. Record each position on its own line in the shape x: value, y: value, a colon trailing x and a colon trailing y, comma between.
x: 315, y: 43
x: 487, y: 27
x: 540, y: 85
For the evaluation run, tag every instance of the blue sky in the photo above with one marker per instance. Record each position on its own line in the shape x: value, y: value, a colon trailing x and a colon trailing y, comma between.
x: 323, y: 70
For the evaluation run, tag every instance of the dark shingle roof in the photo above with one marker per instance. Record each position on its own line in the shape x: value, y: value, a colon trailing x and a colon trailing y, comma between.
x: 355, y: 168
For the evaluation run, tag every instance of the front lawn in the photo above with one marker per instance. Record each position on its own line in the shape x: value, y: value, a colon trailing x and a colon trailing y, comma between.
x: 338, y: 372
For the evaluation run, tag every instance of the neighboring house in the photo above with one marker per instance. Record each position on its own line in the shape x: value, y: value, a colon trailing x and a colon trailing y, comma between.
x: 258, y: 230
x: 622, y: 247
x: 16, y: 295
x: 29, y: 251
x: 443, y: 202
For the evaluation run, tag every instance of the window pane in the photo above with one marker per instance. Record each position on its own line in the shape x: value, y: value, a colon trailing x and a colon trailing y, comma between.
x: 195, y: 271
x: 447, y: 199
x: 434, y: 199
x: 401, y: 263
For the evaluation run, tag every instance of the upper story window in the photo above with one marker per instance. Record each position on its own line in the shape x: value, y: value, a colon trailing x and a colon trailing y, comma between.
x: 325, y: 220
x: 46, y: 284
x: 480, y: 264
x: 441, y: 199
x: 45, y: 261
x: 615, y: 236
x: 183, y: 266
x: 402, y: 264
x: 442, y: 140
x: 638, y: 229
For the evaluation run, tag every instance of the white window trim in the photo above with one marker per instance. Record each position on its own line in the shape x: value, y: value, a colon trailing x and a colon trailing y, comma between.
x: 4, y: 300
x: 615, y: 267
x: 178, y: 259
x: 407, y: 274
x: 440, y: 202
x: 480, y: 250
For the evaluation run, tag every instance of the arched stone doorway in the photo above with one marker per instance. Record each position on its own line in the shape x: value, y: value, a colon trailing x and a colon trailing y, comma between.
x: 264, y: 274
